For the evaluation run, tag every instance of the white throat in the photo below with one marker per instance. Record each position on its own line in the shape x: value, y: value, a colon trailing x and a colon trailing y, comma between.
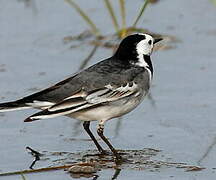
x: 141, y: 61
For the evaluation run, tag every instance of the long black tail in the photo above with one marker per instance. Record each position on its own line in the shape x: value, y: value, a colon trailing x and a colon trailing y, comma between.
x: 13, y: 105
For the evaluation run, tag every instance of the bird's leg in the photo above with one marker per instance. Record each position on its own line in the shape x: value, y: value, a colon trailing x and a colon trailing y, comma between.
x: 86, y: 125
x: 100, y: 131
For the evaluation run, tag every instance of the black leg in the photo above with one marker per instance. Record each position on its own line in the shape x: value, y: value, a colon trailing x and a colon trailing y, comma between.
x: 86, y: 125
x: 100, y: 133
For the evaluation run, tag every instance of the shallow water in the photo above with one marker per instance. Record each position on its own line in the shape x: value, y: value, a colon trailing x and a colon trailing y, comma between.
x: 182, y: 122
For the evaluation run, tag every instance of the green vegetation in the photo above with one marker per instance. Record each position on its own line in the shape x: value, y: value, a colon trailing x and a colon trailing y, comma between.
x: 214, y: 2
x: 120, y: 30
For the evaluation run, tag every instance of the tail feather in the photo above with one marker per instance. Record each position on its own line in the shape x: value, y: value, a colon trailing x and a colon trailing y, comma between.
x: 12, y: 106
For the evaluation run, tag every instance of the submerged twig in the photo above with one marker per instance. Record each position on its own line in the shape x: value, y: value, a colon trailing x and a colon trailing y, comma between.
x: 208, y: 150
x: 36, y: 170
x: 23, y: 177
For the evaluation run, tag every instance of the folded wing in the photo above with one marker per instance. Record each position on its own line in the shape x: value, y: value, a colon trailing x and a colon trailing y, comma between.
x: 82, y: 100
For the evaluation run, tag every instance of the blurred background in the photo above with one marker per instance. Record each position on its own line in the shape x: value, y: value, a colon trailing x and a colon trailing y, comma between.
x: 42, y: 42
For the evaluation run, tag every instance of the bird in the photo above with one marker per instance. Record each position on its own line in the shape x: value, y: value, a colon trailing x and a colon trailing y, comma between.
x: 108, y: 89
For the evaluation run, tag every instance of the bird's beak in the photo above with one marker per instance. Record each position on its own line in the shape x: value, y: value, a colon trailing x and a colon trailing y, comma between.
x: 157, y: 40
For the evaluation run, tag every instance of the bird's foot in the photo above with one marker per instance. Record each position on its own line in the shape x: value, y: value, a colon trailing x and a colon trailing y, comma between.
x: 117, y: 157
x: 104, y: 152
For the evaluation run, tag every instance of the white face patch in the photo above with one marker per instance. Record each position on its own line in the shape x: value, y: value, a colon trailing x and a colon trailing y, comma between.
x: 144, y: 47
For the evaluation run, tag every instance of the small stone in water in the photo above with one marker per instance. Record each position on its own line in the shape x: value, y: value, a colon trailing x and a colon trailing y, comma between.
x: 82, y: 169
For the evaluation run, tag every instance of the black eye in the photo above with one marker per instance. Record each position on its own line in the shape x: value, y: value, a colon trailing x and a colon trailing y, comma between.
x: 150, y: 42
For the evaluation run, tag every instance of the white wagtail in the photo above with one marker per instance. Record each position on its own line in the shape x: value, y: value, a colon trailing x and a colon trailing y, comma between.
x: 106, y: 90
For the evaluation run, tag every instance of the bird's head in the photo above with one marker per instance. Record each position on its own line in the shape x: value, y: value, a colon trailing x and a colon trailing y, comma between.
x: 135, y: 46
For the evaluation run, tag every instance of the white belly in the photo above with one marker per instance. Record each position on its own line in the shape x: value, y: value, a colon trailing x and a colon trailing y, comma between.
x: 106, y: 112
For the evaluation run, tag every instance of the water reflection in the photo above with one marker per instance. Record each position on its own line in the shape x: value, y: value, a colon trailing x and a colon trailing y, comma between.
x: 117, y: 172
x: 97, y: 177
x: 115, y: 175
x: 35, y: 154
x: 91, y: 164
